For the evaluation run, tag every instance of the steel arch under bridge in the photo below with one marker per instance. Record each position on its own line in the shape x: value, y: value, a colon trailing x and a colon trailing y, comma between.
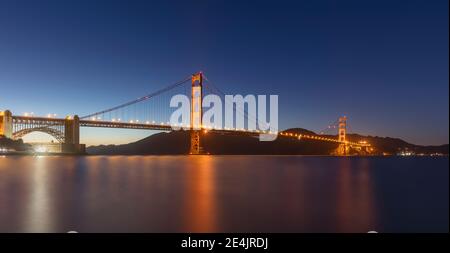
x: 23, y: 126
x: 54, y: 132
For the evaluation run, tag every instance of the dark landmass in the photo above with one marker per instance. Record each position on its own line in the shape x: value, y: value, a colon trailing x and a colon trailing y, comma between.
x: 13, y: 145
x: 177, y: 142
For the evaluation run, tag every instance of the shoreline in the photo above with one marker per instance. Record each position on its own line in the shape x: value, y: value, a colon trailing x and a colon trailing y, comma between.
x: 19, y: 153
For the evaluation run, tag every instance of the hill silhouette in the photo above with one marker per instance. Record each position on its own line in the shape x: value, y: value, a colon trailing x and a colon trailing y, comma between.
x: 177, y: 142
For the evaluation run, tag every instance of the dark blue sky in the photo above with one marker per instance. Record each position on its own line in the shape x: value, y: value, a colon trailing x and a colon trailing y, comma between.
x: 382, y: 63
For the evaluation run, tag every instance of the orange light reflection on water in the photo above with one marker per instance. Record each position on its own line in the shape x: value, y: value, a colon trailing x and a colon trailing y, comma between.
x: 200, y: 205
x: 354, y: 198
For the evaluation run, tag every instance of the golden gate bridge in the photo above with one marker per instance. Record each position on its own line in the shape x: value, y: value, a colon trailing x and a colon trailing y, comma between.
x: 151, y: 112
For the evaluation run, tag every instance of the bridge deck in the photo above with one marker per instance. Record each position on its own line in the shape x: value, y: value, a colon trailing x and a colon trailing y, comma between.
x: 126, y: 125
x: 41, y: 120
x: 166, y: 127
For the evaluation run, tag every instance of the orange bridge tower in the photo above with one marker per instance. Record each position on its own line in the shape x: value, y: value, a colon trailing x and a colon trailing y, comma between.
x: 342, y: 131
x: 196, y: 113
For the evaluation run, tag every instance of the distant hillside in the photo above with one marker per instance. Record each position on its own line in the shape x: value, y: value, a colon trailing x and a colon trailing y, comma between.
x: 393, y: 145
x: 177, y: 142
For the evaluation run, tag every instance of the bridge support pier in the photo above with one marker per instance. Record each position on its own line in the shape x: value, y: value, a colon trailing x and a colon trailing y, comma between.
x: 342, y: 149
x: 195, y: 143
x: 72, y: 136
x: 72, y: 130
x: 6, y: 124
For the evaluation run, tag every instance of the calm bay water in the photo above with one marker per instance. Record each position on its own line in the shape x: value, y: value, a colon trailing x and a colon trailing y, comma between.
x: 223, y: 194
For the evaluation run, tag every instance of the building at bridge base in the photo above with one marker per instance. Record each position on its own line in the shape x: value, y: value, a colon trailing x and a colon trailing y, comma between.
x: 353, y: 150
x: 59, y: 148
x: 343, y: 149
x: 73, y: 148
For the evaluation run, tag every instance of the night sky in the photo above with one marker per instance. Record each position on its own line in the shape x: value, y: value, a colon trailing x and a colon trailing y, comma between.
x: 384, y: 64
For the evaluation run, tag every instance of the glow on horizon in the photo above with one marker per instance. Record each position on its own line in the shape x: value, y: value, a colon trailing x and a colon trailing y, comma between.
x: 96, y: 136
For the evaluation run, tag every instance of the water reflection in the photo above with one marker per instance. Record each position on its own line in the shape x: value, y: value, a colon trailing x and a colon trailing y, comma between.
x: 355, y: 207
x: 200, y: 197
x: 39, y: 211
x: 222, y: 194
